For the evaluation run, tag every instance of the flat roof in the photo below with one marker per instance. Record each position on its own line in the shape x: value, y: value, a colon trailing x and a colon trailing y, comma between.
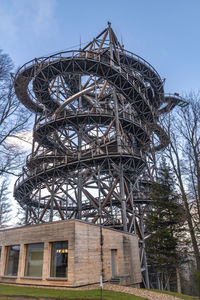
x: 64, y: 221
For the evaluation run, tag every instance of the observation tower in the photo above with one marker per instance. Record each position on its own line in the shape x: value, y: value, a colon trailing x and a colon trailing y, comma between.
x: 96, y: 109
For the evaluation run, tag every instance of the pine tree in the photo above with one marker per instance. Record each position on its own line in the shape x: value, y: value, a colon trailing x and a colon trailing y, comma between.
x: 164, y: 225
x: 5, y: 204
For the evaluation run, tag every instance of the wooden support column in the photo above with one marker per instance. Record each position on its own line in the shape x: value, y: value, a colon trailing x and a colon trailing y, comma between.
x: 133, y: 210
x: 117, y: 128
x: 52, y: 204
x: 123, y: 198
x: 143, y: 247
x: 80, y: 133
x: 99, y: 196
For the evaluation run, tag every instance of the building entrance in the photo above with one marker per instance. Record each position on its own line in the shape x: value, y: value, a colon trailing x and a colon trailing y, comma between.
x: 113, y: 262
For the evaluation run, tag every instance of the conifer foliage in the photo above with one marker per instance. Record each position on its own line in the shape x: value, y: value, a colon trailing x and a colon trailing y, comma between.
x: 164, y: 224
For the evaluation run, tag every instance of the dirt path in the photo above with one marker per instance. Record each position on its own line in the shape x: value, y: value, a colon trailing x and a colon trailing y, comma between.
x: 139, y: 292
x: 130, y: 290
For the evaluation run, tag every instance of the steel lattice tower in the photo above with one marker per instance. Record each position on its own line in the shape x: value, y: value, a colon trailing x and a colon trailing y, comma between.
x: 95, y: 111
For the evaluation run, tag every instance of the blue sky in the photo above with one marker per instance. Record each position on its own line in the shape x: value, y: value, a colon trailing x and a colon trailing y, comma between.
x: 165, y: 33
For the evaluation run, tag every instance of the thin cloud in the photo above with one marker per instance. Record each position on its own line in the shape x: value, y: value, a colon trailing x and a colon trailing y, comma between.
x: 38, y: 16
x: 8, y: 24
x: 22, y: 140
x: 43, y: 18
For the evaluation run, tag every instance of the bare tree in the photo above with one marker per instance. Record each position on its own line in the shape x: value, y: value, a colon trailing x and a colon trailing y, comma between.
x: 13, y: 118
x: 184, y: 155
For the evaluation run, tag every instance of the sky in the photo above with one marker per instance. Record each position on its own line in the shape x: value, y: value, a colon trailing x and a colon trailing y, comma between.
x: 165, y: 33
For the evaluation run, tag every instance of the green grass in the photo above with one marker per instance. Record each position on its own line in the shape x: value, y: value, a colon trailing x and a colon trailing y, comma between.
x: 7, y: 290
x: 181, y: 296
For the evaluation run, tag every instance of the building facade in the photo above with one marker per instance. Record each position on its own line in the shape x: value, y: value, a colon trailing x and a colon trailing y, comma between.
x: 68, y: 253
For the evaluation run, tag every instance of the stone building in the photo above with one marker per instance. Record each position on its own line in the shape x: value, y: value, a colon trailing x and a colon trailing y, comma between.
x: 68, y: 253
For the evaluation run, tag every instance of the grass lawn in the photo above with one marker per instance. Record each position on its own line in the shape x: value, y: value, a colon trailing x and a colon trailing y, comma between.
x: 8, y: 290
x: 181, y: 296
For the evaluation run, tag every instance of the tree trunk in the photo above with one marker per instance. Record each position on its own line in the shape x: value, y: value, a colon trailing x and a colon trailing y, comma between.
x: 177, y: 170
x: 178, y: 280
x: 191, y: 230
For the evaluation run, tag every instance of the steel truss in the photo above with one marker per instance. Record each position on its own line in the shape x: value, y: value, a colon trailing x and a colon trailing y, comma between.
x: 95, y: 112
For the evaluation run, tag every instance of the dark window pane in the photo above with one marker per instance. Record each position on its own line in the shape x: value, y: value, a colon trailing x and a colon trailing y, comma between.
x: 34, y: 260
x: 12, y: 260
x: 59, y: 259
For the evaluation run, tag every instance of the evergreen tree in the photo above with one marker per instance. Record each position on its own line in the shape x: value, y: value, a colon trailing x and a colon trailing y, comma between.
x: 5, y: 205
x: 164, y: 224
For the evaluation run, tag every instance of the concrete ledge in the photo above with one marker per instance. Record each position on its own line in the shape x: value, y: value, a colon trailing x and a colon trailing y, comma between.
x: 31, y: 278
x: 57, y: 279
x: 9, y: 276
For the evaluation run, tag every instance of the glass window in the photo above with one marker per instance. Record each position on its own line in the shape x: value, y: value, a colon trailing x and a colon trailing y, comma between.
x: 59, y: 259
x: 34, y: 260
x: 12, y: 260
